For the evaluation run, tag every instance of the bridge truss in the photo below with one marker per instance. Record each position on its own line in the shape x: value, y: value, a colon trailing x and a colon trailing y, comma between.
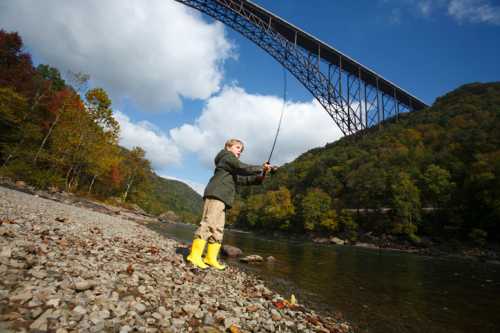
x: 354, y: 96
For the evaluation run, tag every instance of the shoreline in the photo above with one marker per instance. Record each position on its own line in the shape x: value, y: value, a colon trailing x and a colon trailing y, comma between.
x: 67, y: 268
x: 489, y: 255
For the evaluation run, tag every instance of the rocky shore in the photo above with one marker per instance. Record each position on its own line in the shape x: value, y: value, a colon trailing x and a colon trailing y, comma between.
x: 71, y: 269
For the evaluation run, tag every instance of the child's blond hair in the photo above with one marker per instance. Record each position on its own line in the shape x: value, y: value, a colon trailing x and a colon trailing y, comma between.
x: 231, y: 142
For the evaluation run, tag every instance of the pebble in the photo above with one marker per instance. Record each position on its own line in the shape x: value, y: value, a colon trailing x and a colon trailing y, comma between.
x: 83, y: 285
x: 140, y: 308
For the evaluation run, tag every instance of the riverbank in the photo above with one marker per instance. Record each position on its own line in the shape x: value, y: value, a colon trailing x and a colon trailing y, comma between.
x: 67, y: 268
x: 489, y: 253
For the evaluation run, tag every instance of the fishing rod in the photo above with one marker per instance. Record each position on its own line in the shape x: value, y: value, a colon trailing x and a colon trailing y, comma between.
x: 281, y: 116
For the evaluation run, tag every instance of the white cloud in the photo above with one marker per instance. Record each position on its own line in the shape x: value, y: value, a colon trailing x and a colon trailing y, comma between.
x: 160, y: 150
x: 254, y: 119
x: 151, y: 51
x: 475, y: 11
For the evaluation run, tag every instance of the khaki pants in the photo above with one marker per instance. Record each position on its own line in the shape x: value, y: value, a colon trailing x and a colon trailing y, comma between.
x: 211, y: 226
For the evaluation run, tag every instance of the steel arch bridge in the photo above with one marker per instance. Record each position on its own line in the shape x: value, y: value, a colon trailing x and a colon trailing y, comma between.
x: 354, y: 96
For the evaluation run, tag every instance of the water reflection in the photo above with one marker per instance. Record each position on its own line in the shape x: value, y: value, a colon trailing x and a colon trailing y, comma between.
x: 380, y: 291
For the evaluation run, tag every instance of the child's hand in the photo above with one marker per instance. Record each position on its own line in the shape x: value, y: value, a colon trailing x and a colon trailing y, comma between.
x: 266, y: 167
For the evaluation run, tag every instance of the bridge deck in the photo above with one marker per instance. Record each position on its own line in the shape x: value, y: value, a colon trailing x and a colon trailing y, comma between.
x: 333, y: 56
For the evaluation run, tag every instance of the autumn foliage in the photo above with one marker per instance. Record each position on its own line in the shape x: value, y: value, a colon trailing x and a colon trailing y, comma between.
x: 51, y: 136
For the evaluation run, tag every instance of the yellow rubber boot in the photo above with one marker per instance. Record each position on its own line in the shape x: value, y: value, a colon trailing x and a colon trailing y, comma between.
x: 196, y: 251
x: 211, y: 257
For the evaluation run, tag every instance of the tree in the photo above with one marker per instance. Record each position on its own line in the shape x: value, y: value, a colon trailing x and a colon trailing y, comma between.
x: 99, y: 107
x: 317, y: 213
x: 51, y: 75
x: 61, y: 102
x: 437, y: 185
x: 405, y: 203
x: 135, y: 168
x: 252, y: 210
x: 12, y: 112
x: 348, y: 226
x: 278, y: 209
x: 16, y: 68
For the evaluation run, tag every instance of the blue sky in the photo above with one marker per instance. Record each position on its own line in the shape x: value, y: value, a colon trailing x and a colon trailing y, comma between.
x: 182, y: 84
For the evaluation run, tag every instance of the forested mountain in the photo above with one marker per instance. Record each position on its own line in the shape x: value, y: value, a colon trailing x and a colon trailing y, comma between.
x: 179, y: 197
x: 61, y: 135
x: 433, y: 172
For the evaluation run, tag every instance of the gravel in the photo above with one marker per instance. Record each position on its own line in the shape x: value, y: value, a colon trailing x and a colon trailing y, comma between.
x: 65, y: 268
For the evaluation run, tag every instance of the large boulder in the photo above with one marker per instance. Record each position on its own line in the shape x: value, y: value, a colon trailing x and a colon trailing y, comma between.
x: 168, y: 216
x: 231, y: 251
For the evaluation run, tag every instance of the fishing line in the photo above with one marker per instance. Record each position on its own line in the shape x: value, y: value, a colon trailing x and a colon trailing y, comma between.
x: 281, y: 116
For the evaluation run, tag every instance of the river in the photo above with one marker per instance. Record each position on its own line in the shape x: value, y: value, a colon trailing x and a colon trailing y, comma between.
x: 377, y: 291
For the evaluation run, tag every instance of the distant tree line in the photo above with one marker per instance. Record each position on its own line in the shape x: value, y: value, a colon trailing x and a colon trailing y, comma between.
x: 434, y: 172
x: 55, y: 134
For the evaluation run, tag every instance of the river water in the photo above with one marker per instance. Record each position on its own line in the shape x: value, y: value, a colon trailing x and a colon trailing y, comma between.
x: 377, y: 291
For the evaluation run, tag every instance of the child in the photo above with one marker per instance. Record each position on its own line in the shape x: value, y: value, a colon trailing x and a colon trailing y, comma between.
x: 219, y: 196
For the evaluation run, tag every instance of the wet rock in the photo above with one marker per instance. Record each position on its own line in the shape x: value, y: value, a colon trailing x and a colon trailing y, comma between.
x: 366, y: 245
x: 336, y: 240
x: 231, y: 251
x: 320, y: 240
x: 252, y: 258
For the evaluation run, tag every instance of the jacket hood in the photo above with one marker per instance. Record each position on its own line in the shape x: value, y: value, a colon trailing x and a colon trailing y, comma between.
x: 223, y: 153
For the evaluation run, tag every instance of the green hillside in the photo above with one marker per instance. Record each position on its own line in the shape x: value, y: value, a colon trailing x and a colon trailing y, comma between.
x: 434, y: 172
x: 169, y: 194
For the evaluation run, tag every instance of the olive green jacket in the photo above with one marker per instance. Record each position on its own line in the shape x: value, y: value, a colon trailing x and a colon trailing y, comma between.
x: 229, y: 171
